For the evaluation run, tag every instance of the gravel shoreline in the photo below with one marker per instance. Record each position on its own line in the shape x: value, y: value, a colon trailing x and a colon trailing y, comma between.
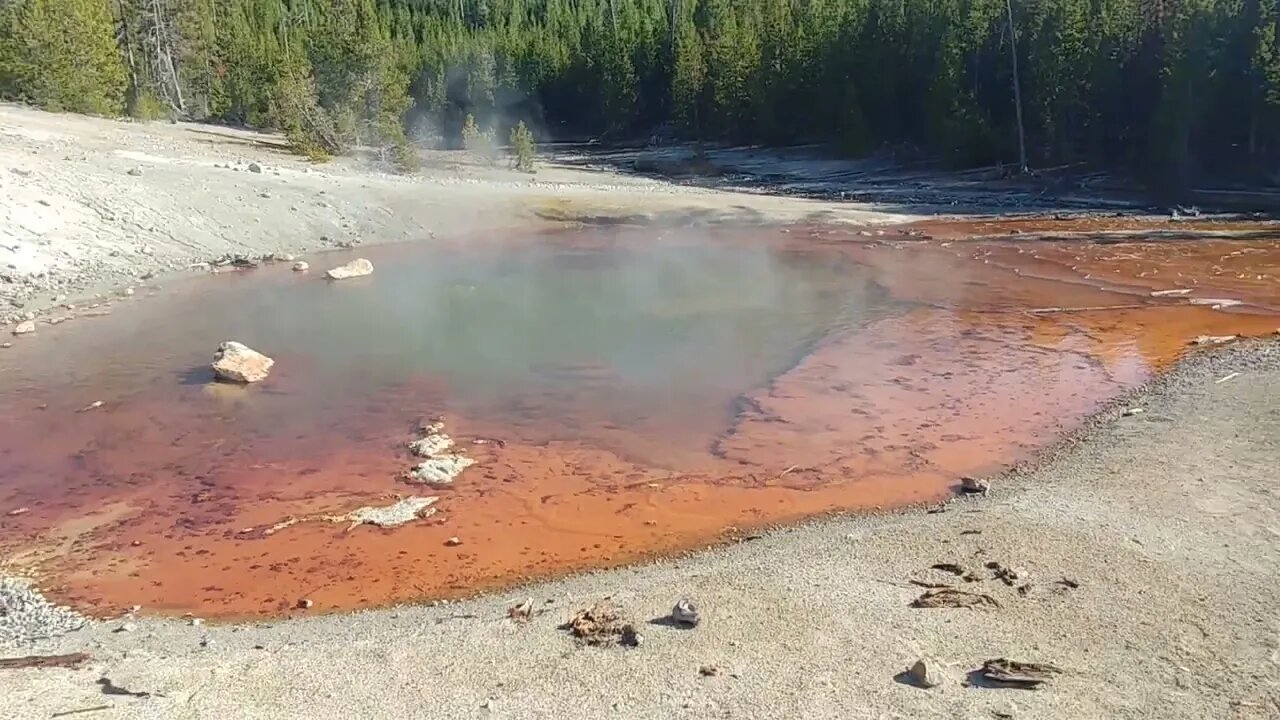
x: 1166, y: 525
x: 26, y: 617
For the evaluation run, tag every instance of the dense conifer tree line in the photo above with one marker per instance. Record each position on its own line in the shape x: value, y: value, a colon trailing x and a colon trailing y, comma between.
x: 1176, y: 89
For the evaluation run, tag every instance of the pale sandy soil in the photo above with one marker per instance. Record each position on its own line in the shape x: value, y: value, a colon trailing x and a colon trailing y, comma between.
x: 1169, y: 521
x: 75, y: 222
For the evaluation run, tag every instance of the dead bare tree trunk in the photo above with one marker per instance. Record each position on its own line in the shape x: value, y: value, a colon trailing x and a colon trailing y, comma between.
x: 1017, y: 92
x: 124, y: 40
x: 164, y: 57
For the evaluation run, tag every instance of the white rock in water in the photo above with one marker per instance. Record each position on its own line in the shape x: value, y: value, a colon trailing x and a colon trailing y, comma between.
x: 440, y: 470
x: 356, y: 268
x: 301, y: 266
x: 235, y: 362
x: 1214, y: 339
x: 404, y: 511
x: 24, y: 327
x: 1215, y: 303
x: 431, y: 445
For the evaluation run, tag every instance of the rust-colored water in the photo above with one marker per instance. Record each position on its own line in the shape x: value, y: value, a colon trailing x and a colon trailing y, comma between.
x: 821, y: 371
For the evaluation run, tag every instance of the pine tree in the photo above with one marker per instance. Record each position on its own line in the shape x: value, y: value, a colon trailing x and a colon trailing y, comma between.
x: 522, y: 147
x: 62, y: 56
x: 1173, y: 89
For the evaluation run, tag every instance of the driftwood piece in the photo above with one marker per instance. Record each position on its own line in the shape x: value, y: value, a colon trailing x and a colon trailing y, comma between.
x: 1012, y: 673
x: 603, y: 624
x: 952, y: 598
x: 80, y: 711
x: 72, y: 660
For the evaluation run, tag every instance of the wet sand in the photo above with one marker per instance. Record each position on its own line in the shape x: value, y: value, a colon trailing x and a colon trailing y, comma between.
x: 998, y: 356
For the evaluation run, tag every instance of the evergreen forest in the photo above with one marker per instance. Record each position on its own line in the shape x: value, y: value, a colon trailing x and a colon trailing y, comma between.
x: 1175, y: 91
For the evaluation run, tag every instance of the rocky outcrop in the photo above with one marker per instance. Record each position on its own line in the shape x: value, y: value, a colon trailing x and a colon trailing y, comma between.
x: 356, y: 268
x: 440, y: 466
x: 431, y: 446
x: 402, y: 511
x: 235, y: 362
x: 440, y: 470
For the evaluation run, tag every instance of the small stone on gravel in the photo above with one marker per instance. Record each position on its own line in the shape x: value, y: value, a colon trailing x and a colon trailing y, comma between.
x: 685, y: 613
x: 925, y: 673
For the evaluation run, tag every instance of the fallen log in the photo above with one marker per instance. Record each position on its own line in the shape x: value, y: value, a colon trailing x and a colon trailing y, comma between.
x: 72, y: 660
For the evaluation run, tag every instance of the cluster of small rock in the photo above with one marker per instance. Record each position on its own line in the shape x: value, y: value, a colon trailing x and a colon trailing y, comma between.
x: 439, y: 466
x: 26, y: 616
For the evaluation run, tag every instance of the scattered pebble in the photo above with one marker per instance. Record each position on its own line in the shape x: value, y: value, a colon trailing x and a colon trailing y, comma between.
x: 925, y: 673
x: 305, y: 604
x: 19, y: 511
x: 1133, y: 411
x: 135, y: 171
x: 196, y: 622
x: 25, y: 327
x: 301, y: 266
x: 255, y: 167
x: 453, y: 542
x: 973, y: 485
x: 685, y: 613
x: 521, y: 612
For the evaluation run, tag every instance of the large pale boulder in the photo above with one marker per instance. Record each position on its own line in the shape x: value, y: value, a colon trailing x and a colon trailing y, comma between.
x: 356, y: 268
x: 235, y: 362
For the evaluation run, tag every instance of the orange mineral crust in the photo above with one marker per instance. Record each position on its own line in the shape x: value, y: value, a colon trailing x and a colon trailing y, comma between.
x: 622, y: 395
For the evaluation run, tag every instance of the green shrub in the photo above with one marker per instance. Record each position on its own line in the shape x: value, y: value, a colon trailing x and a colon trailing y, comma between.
x: 479, y: 142
x: 144, y: 105
x: 523, y: 148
